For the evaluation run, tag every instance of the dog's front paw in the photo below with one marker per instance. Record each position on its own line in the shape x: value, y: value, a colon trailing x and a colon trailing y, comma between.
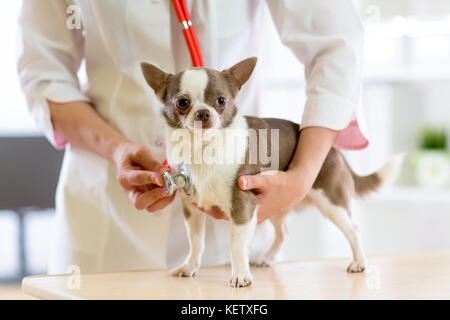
x: 241, y: 279
x: 185, y: 270
x: 262, y: 262
x: 355, y: 267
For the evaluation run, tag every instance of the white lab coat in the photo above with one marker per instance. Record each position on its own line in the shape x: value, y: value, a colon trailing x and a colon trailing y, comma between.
x: 97, y: 227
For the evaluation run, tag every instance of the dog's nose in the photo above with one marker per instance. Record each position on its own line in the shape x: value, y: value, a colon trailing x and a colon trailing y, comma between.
x: 202, y: 115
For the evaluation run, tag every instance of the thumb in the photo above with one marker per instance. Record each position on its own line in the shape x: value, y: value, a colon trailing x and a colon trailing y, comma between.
x: 257, y: 181
x: 146, y: 160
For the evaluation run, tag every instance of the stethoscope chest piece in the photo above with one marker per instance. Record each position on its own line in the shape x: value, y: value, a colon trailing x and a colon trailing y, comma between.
x: 175, y: 181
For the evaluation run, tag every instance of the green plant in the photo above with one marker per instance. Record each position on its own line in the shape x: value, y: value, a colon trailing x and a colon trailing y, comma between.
x: 433, y: 138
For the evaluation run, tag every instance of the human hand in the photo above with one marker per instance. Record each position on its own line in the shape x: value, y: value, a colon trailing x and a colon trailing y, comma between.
x: 140, y: 176
x: 276, y: 191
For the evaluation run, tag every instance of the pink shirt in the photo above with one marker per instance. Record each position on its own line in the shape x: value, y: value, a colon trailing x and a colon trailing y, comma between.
x: 351, y: 138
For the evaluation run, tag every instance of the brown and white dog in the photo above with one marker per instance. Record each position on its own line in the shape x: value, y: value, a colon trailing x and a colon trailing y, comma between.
x: 207, y: 97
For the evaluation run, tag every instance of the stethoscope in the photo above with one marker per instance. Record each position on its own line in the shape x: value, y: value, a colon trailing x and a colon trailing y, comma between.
x: 181, y: 180
x: 184, y: 18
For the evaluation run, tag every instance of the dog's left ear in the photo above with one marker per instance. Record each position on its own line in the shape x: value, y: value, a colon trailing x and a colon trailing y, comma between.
x: 242, y: 71
x: 156, y: 78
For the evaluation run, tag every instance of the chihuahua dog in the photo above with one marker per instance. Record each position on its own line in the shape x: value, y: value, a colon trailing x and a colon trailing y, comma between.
x: 202, y: 98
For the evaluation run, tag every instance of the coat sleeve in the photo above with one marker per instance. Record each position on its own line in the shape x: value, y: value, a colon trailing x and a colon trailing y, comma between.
x: 327, y: 37
x: 49, y: 56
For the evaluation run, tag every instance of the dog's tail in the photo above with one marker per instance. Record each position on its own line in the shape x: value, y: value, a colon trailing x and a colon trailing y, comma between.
x: 387, y: 174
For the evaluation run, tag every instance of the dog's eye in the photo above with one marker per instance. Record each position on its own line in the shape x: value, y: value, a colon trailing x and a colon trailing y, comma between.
x: 220, y: 102
x: 183, y: 104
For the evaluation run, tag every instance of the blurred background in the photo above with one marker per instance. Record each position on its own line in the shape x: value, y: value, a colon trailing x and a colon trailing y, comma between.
x: 406, y: 97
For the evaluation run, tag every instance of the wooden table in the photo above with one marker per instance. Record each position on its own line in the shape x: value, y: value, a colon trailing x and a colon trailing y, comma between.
x: 405, y: 276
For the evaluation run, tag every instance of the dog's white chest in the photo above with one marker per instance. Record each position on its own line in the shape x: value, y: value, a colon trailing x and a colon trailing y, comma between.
x: 214, y: 182
x: 213, y: 185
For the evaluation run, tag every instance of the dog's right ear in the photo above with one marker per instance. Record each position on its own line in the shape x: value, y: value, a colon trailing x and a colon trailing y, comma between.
x: 156, y: 78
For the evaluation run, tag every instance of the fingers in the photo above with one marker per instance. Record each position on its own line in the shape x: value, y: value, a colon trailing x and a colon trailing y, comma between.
x: 152, y: 200
x: 140, y: 175
x: 144, y: 200
x: 255, y: 182
x: 132, y: 178
x: 144, y: 158
x: 133, y: 194
x: 160, y: 204
x: 262, y: 216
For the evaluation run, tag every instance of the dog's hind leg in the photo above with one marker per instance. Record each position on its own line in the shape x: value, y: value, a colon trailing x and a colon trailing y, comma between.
x: 280, y: 232
x: 195, y: 225
x: 341, y: 218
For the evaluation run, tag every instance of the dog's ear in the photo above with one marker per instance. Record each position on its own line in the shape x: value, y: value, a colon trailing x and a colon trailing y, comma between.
x: 156, y: 78
x: 242, y: 71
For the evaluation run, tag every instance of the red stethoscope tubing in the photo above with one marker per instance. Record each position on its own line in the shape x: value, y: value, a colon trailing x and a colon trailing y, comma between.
x: 192, y: 33
x: 191, y: 39
x: 188, y: 31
